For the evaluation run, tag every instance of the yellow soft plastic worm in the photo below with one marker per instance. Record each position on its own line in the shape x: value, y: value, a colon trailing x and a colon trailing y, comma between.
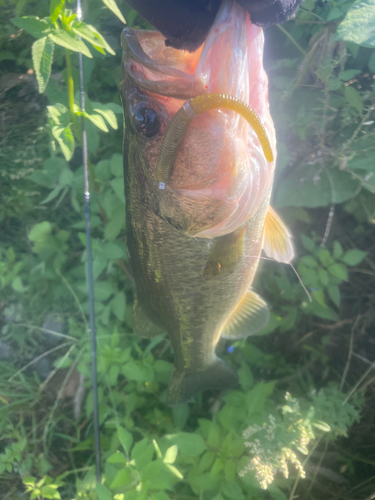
x: 188, y: 112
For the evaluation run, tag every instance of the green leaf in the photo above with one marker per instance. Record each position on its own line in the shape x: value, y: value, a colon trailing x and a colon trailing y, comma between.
x: 126, y: 439
x: 59, y: 114
x: 103, y: 492
x: 232, y: 490
x: 256, y: 398
x: 334, y: 13
x: 206, y: 461
x: 217, y: 467
x: 111, y: 4
x: 309, y: 186
x: 323, y: 426
x: 353, y: 98
x: 307, y: 243
x: 325, y: 257
x: 121, y: 479
x: 117, y: 458
x: 10, y: 254
x: 349, y: 74
x: 309, y: 261
x: 91, y: 35
x: 214, y: 435
x: 29, y: 481
x: 367, y: 163
x: 107, y: 113
x: 337, y: 249
x: 6, y: 55
x: 68, y: 41
x: 55, y: 9
x: 142, y: 453
x: 318, y: 295
x: 174, y: 471
x: 181, y: 412
x: 17, y: 285
x: 171, y: 454
x: 353, y: 257
x: 334, y: 294
x: 132, y: 371
x: 230, y: 470
x: 111, y: 251
x: 49, y: 491
x: 323, y: 276
x: 245, y: 376
x: 118, y: 304
x: 157, y: 449
x: 66, y: 177
x: 36, y: 27
x: 118, y: 188
x: 188, y: 443
x: 160, y: 495
x: 40, y: 234
x: 156, y: 476
x: 116, y: 224
x: 339, y: 270
x: 116, y: 165
x: 98, y: 121
x: 359, y: 24
x: 65, y: 139
x: 42, y: 53
x: 276, y: 493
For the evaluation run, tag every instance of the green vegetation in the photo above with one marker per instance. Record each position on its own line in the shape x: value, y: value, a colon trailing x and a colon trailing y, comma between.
x: 281, y: 434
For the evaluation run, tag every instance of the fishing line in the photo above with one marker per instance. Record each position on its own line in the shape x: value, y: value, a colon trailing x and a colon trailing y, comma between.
x: 294, y: 269
x: 92, y: 329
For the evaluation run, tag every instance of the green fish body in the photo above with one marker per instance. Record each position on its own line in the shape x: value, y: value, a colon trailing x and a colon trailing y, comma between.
x: 194, y: 251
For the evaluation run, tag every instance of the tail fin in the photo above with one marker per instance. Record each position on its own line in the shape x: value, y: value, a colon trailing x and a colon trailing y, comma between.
x: 184, y: 386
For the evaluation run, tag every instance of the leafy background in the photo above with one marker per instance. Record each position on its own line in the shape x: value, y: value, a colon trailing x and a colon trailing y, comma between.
x: 301, y: 421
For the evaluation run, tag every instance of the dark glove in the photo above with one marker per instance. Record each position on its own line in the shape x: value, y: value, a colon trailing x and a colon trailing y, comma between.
x: 185, y: 23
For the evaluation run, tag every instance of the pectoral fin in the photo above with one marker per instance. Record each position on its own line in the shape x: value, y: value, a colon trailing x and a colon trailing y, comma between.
x: 249, y: 317
x: 277, y: 241
x: 225, y: 255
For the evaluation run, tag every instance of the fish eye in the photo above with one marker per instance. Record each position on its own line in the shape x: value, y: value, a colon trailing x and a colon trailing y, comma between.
x: 147, y: 122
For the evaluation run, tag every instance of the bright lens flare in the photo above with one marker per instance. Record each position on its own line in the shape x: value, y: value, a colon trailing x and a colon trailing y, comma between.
x: 188, y: 112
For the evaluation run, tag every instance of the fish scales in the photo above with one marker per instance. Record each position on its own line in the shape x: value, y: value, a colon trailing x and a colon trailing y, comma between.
x: 192, y: 269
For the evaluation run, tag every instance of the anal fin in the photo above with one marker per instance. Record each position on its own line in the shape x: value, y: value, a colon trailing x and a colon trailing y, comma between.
x: 277, y: 241
x: 142, y: 324
x: 225, y: 255
x: 250, y: 316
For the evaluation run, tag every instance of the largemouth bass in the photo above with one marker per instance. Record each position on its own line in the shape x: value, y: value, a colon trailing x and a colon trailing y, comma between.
x: 198, y: 197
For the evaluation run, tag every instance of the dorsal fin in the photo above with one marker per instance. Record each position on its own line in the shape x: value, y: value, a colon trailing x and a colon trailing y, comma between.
x: 249, y: 317
x: 277, y: 241
x: 226, y: 254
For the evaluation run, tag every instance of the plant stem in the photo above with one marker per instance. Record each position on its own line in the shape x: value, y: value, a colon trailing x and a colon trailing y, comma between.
x: 76, y: 127
x: 291, y: 496
x: 291, y: 39
x: 70, y: 83
x: 371, y: 367
x: 78, y: 134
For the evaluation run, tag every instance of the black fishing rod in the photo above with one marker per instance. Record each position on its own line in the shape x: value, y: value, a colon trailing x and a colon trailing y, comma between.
x: 89, y: 262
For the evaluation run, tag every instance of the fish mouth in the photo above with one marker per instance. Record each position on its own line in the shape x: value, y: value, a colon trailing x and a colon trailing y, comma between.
x: 154, y: 67
x: 217, y: 171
